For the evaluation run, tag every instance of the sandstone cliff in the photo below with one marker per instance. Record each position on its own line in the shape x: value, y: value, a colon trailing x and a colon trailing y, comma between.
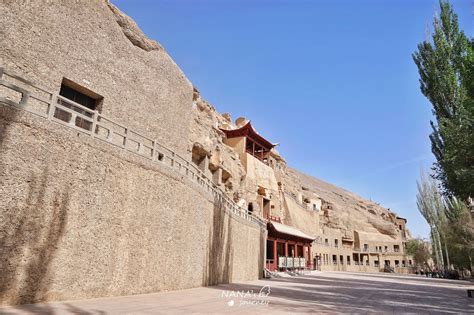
x: 345, y: 212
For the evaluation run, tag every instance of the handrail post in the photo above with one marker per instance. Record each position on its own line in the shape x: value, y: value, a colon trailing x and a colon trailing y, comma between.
x: 94, y: 124
x: 52, y: 105
x: 72, y: 122
x: 25, y: 96
x: 153, y: 152
x: 125, y: 138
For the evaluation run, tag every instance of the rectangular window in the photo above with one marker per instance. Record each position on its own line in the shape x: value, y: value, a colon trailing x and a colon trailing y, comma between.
x: 78, y: 97
x: 87, y: 100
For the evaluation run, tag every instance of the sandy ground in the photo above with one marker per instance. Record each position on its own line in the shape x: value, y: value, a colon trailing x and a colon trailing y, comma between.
x: 321, y: 292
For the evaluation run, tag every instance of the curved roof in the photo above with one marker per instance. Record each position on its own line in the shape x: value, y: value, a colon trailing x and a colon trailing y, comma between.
x: 291, y: 231
x: 248, y: 131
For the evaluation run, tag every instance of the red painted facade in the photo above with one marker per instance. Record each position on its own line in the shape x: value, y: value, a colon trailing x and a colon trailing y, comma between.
x: 287, y: 245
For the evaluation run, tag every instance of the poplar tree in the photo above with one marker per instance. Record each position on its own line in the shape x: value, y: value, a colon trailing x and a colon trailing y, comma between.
x: 446, y: 68
x: 430, y: 204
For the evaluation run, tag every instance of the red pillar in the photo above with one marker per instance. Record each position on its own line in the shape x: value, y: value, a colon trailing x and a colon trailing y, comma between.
x: 275, y: 257
x: 286, y: 249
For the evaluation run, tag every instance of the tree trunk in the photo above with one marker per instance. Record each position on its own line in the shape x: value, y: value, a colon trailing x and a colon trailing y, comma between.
x: 447, y: 254
x: 470, y: 264
x: 435, y: 245
x: 440, y: 248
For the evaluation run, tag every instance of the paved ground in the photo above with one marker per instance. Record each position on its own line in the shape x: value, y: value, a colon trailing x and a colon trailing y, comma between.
x: 322, y: 292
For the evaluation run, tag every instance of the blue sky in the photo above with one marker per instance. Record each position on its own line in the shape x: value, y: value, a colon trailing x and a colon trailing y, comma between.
x: 332, y: 81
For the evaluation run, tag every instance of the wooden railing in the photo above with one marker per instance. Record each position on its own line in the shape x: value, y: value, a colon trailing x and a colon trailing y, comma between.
x: 23, y: 94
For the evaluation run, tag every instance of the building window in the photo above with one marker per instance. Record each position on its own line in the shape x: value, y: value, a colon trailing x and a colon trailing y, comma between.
x: 326, y: 242
x: 78, y: 97
x: 341, y: 259
x: 366, y: 247
x: 250, y: 208
x: 334, y: 259
x: 89, y: 100
x: 348, y: 260
x: 336, y: 243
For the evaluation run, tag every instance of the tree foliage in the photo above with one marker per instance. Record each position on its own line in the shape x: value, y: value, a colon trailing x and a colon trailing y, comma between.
x: 459, y: 229
x: 430, y: 204
x: 446, y: 68
x: 419, y: 250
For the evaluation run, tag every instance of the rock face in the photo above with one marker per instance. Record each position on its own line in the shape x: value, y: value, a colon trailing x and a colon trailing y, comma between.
x: 349, y: 212
x: 94, y: 45
x: 131, y: 30
x: 85, y: 212
x: 79, y: 216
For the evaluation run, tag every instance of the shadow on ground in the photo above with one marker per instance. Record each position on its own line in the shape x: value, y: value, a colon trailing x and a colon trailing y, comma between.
x: 322, y: 293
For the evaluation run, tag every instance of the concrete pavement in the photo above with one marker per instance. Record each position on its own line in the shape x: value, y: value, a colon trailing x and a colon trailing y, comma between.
x: 321, y: 292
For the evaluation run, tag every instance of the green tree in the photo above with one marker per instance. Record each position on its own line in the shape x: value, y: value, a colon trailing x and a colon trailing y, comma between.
x: 460, y: 233
x: 430, y: 204
x: 446, y: 68
x: 419, y: 249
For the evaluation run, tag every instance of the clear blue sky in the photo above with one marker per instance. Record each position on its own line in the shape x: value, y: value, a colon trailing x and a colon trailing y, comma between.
x: 332, y: 81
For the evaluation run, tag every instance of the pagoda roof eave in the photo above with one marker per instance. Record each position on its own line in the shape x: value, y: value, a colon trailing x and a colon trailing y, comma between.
x: 248, y: 131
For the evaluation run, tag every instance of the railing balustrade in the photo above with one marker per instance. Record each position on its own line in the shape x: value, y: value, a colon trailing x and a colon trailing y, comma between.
x: 293, y: 197
x: 27, y: 96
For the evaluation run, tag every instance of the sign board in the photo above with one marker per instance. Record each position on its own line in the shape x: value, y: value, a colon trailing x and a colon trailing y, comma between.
x: 281, y: 262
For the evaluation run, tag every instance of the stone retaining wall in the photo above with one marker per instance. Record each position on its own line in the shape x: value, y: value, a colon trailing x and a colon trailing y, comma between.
x: 80, y: 219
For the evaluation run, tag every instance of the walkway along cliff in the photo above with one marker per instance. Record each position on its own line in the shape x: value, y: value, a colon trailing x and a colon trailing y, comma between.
x: 118, y: 178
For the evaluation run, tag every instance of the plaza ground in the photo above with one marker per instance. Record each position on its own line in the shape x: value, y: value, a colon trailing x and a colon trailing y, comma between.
x: 319, y: 292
